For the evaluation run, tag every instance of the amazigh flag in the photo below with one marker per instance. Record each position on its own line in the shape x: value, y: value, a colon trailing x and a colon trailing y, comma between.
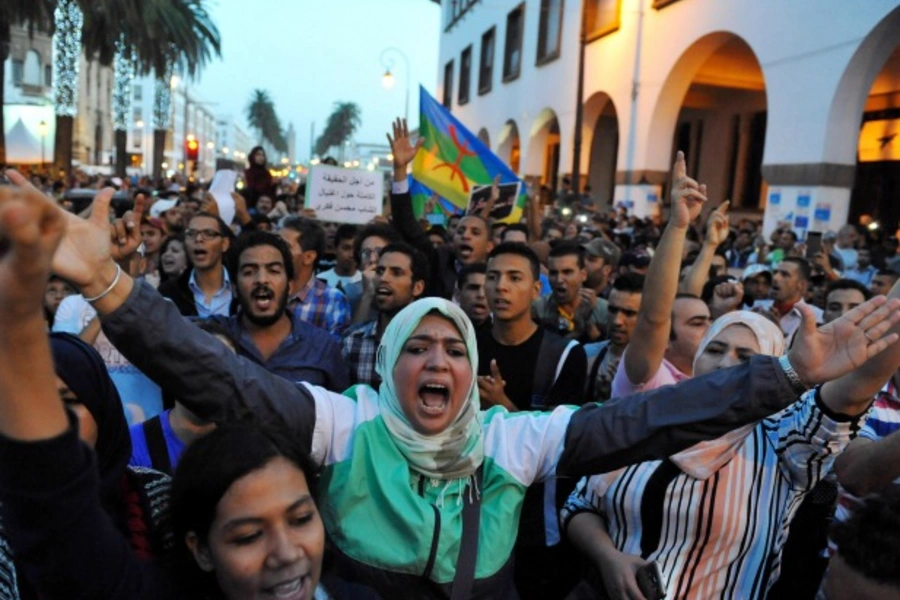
x: 457, y: 165
x: 421, y: 195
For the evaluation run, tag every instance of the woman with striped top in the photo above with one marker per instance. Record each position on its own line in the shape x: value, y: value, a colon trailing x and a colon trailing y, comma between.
x: 715, y: 516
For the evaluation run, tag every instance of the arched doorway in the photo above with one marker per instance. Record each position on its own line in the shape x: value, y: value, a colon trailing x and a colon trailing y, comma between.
x: 713, y: 107
x: 600, y: 138
x: 869, y: 98
x: 542, y: 158
x: 508, y: 147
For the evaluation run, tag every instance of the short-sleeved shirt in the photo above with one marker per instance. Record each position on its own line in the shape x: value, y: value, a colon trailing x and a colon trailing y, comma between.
x: 667, y: 374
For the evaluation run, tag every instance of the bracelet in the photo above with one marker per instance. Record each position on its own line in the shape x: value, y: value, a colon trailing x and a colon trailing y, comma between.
x: 797, y: 384
x: 106, y: 292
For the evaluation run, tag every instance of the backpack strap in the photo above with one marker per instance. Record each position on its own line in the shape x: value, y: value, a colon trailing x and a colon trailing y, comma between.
x: 552, y: 357
x: 156, y: 444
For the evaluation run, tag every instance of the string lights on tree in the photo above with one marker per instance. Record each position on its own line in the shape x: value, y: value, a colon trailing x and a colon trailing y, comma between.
x: 68, y: 19
x: 162, y: 101
x: 123, y: 72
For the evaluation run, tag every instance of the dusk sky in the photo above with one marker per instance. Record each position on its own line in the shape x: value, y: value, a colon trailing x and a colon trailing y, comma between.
x: 310, y: 54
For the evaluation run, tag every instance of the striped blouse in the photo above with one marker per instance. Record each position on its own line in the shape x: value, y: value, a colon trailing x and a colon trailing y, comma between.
x: 720, y: 537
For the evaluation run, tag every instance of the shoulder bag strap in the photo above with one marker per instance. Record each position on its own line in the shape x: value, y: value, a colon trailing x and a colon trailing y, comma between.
x: 156, y: 444
x: 464, y: 579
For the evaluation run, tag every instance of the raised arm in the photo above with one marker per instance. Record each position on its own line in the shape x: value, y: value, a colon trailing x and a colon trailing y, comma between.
x: 851, y: 395
x: 868, y: 466
x: 656, y: 424
x: 64, y: 542
x: 149, y: 331
x: 401, y: 202
x: 648, y: 343
x: 716, y: 232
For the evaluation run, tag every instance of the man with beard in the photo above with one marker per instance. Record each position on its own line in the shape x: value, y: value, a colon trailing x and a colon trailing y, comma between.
x: 471, y: 238
x: 205, y: 290
x: 266, y: 331
x: 399, y: 280
x: 601, y: 258
x: 571, y: 310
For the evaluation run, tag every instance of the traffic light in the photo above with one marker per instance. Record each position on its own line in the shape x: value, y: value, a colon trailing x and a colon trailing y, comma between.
x: 192, y: 149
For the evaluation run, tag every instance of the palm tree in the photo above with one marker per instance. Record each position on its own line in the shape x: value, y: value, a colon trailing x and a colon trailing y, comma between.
x: 159, y: 34
x: 30, y: 13
x: 345, y: 119
x: 261, y: 116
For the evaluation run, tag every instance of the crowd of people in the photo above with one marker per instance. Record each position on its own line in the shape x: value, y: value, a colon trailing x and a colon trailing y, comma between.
x: 585, y: 404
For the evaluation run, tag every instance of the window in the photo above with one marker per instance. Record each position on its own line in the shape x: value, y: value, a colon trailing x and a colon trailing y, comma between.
x: 138, y: 93
x: 48, y: 75
x: 549, y: 31
x: 465, y: 75
x: 512, y: 53
x: 32, y: 69
x: 18, y: 69
x: 456, y: 9
x: 486, y: 65
x: 448, y: 84
x: 601, y: 17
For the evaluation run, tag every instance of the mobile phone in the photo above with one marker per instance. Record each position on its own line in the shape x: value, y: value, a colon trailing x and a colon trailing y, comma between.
x: 813, y: 243
x: 650, y: 582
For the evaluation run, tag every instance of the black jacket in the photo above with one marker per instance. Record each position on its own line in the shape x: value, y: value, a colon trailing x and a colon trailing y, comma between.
x: 441, y: 261
x: 178, y: 291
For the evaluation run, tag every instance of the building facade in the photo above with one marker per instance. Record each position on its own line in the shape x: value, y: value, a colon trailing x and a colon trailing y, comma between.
x: 789, y: 109
x: 28, y: 97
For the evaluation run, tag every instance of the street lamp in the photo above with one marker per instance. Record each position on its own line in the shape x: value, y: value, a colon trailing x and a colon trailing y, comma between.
x: 387, y: 80
x: 42, y: 129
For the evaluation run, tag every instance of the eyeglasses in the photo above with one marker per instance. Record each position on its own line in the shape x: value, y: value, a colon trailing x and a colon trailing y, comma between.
x: 206, y: 234
x: 368, y: 253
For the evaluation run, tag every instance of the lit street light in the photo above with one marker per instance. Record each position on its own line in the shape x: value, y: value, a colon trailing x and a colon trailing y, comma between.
x: 387, y: 80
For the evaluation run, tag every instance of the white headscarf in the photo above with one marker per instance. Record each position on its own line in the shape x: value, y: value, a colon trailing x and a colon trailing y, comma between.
x: 702, y: 460
x: 457, y: 451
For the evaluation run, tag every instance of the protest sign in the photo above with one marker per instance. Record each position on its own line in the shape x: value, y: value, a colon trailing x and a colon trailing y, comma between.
x: 344, y: 195
x: 503, y: 207
x: 221, y: 187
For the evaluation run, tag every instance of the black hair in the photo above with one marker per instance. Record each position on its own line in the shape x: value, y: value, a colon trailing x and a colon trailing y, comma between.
x: 678, y: 296
x: 162, y: 250
x: 224, y: 229
x: 382, y: 230
x: 887, y: 273
x: 211, y: 465
x: 803, y: 267
x: 418, y: 262
x: 345, y: 232
x: 631, y: 283
x: 518, y: 249
x: 869, y: 541
x: 566, y: 248
x: 438, y: 230
x: 260, y: 238
x: 847, y: 284
x: 517, y: 227
x: 312, y: 235
x: 469, y: 270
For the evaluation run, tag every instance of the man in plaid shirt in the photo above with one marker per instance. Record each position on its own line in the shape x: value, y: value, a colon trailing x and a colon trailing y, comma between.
x: 313, y: 301
x: 399, y: 280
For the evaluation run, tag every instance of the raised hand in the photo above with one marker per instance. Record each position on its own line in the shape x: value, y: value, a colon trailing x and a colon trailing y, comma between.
x: 404, y: 152
x: 491, y: 389
x: 688, y: 196
x: 31, y: 227
x: 833, y: 350
x: 717, y: 227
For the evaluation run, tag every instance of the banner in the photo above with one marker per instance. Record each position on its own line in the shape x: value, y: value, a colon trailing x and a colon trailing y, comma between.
x: 456, y: 164
x: 344, y: 195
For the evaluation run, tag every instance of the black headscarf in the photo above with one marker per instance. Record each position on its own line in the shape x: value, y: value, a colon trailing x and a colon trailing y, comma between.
x: 85, y: 374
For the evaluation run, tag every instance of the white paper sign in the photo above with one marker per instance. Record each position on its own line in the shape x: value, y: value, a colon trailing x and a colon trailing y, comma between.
x: 221, y: 187
x: 344, y: 195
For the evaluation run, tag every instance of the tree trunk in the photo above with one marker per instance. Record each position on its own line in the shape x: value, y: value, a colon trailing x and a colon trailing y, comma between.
x: 121, y: 152
x: 62, y: 147
x: 159, y: 153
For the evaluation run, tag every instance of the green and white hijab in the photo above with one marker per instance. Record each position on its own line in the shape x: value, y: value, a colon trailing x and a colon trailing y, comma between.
x: 458, y: 451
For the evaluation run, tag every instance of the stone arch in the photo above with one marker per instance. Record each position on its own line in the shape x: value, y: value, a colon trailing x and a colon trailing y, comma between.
x: 542, y: 157
x: 600, y: 147
x: 509, y: 145
x: 484, y: 137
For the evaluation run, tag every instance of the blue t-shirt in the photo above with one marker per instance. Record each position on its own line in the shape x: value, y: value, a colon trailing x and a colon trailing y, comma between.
x: 140, y: 452
x: 545, y: 285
